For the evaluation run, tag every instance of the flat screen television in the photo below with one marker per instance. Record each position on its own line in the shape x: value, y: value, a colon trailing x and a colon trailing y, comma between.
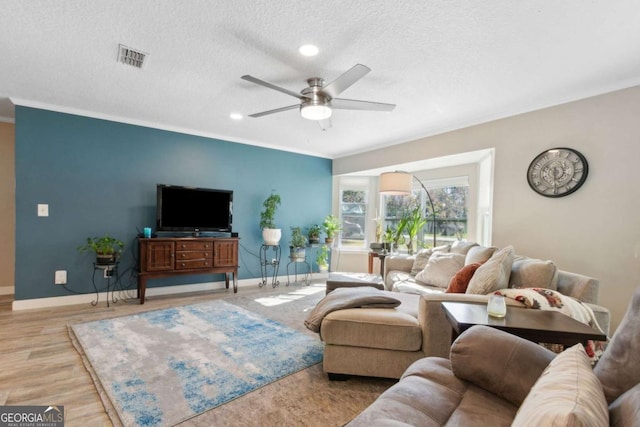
x: 190, y: 209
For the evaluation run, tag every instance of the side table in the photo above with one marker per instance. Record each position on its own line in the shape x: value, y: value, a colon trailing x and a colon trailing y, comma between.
x: 265, y: 262
x: 381, y: 256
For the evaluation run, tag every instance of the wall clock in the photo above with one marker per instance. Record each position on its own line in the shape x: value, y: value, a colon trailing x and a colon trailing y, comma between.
x: 557, y: 172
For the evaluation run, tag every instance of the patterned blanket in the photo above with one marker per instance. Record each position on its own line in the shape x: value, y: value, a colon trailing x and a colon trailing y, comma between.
x: 547, y: 299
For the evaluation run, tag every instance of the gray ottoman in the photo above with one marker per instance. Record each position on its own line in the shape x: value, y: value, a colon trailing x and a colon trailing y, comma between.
x: 352, y: 280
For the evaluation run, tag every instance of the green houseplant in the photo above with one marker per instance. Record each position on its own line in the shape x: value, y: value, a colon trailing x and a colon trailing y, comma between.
x: 313, y: 233
x: 322, y: 258
x: 270, y: 234
x: 106, y: 248
x: 331, y: 226
x: 415, y: 222
x: 298, y: 244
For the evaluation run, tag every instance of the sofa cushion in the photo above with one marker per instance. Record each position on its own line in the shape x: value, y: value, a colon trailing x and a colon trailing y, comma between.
x: 423, y: 255
x: 623, y: 350
x: 567, y: 394
x: 479, y: 254
x: 413, y: 287
x: 460, y: 281
x: 430, y: 395
x: 461, y: 247
x: 533, y: 273
x: 493, y: 274
x: 508, y: 367
x: 440, y: 268
x: 625, y: 410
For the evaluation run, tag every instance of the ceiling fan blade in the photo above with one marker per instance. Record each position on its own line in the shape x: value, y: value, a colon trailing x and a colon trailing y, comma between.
x: 348, y: 78
x: 272, y: 86
x: 352, y: 104
x: 325, y: 124
x: 277, y: 110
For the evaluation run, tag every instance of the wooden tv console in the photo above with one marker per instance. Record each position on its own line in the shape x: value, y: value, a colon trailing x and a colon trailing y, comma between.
x: 173, y: 256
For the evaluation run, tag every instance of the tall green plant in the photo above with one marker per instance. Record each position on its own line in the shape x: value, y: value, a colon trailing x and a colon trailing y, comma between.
x: 415, y: 222
x: 267, y: 216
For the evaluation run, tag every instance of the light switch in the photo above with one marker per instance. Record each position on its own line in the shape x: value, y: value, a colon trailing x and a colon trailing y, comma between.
x: 43, y: 210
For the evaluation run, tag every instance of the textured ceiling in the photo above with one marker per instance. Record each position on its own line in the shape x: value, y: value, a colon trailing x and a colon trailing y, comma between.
x: 446, y: 64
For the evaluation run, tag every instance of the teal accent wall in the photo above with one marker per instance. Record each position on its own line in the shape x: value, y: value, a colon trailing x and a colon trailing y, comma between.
x: 100, y: 176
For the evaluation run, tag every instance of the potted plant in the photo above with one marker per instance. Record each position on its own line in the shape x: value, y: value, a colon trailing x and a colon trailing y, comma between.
x: 398, y: 233
x: 322, y: 259
x: 415, y: 222
x: 313, y: 234
x: 298, y: 244
x: 270, y: 234
x: 106, y: 248
x: 331, y: 226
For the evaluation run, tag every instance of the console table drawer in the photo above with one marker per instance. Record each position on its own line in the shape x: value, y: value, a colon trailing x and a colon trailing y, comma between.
x: 192, y: 264
x: 194, y: 246
x: 180, y: 255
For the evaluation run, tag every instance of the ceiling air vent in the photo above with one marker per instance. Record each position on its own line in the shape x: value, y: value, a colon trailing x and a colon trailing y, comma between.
x: 132, y: 57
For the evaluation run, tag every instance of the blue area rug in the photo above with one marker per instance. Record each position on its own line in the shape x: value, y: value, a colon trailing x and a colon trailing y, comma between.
x: 162, y: 367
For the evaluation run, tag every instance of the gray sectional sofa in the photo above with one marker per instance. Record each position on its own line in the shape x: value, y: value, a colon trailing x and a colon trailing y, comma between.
x: 497, y: 379
x: 383, y: 342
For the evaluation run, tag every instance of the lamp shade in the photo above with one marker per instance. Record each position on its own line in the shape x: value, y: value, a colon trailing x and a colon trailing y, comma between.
x: 395, y: 183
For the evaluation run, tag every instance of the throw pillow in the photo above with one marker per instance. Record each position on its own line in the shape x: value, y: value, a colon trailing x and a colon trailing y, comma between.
x: 619, y: 369
x: 423, y: 255
x: 533, y: 273
x: 461, y: 247
x: 566, y: 394
x: 479, y: 254
x: 460, y: 281
x: 493, y: 274
x: 440, y: 268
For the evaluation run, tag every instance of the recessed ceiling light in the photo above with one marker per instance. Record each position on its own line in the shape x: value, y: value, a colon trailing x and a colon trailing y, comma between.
x: 236, y: 116
x: 308, y: 50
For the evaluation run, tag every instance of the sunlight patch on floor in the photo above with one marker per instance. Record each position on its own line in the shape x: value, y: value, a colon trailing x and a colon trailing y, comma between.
x: 291, y: 296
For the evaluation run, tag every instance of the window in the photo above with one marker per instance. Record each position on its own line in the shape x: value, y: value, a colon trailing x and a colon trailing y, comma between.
x: 450, y: 199
x: 354, y: 200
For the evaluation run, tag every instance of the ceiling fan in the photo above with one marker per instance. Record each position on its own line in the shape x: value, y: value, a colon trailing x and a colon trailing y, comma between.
x: 318, y: 101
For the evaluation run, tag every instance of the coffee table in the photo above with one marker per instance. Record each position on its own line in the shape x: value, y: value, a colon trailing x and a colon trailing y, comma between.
x: 540, y: 326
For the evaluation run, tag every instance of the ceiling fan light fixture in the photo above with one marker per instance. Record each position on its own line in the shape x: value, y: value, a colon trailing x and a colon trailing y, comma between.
x: 315, y: 112
x: 308, y: 50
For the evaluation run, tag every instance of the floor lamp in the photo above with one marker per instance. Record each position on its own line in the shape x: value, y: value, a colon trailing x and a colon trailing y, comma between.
x: 399, y: 183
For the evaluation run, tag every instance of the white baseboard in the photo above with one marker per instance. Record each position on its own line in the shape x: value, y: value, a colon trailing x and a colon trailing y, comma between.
x: 29, y: 304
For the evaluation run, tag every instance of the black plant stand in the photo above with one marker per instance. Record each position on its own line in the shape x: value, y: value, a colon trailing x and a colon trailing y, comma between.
x: 110, y: 271
x: 307, y: 272
x: 265, y: 262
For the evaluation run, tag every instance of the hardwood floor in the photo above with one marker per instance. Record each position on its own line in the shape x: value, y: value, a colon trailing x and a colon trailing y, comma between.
x: 40, y: 366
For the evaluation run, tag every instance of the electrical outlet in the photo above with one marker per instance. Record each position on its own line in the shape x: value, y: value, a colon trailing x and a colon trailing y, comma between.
x: 61, y: 277
x: 108, y: 273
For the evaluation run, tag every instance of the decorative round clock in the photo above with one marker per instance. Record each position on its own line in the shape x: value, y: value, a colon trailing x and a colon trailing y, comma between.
x: 557, y: 172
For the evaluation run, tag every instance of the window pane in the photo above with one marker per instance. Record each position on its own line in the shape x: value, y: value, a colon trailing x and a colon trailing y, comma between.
x: 451, y: 215
x: 353, y: 216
